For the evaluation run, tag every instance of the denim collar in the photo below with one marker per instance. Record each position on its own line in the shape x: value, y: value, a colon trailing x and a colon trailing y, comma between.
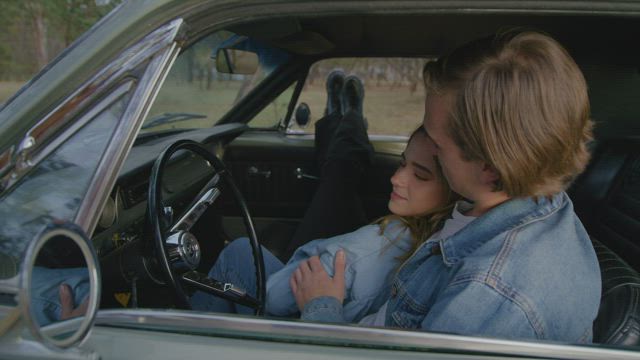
x: 502, y: 218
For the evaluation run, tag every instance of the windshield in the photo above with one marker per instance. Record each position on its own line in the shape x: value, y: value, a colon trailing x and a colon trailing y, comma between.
x: 195, y: 95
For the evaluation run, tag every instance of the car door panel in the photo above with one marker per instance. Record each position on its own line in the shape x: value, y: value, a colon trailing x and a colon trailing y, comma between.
x: 266, y: 166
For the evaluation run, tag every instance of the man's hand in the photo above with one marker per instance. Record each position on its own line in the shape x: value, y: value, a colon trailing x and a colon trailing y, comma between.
x: 310, y: 280
x: 66, y: 301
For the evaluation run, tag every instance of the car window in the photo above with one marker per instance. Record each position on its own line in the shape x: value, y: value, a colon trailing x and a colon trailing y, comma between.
x: 32, y: 203
x: 393, y: 96
x: 195, y: 95
x: 274, y: 113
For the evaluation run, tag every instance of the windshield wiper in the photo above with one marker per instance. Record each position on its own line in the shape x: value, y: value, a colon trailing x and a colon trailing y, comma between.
x: 168, y: 118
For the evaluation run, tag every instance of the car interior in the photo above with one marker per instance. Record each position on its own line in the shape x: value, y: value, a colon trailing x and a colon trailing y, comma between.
x: 274, y: 168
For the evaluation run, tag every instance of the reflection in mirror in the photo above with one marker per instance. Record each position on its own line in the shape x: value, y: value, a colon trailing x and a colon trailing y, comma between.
x: 59, y: 286
x: 233, y: 61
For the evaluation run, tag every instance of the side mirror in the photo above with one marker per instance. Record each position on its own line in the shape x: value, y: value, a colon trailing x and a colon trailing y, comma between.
x: 47, y: 266
x: 233, y: 61
x: 303, y: 115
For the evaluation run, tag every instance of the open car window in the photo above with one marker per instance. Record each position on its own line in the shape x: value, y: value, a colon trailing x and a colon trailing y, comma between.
x: 393, y: 94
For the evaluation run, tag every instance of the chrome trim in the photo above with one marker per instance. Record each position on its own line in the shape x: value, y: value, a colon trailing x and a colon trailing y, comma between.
x: 183, y: 250
x: 94, y: 287
x: 5, y: 161
x: 193, y: 214
x: 346, y: 336
x: 164, y: 50
x: 22, y: 161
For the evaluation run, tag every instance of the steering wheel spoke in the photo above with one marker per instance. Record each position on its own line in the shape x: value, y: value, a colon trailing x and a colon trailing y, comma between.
x: 224, y: 290
x: 192, y: 215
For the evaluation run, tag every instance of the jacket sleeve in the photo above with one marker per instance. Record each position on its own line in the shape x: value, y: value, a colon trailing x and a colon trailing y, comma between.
x: 280, y: 299
x: 323, y: 309
x: 474, y: 308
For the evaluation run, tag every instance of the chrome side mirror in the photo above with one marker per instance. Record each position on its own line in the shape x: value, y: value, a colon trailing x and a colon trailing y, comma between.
x: 303, y: 115
x: 61, y: 254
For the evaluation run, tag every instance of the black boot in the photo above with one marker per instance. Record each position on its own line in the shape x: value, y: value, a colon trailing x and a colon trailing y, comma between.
x: 335, y: 82
x: 326, y: 126
x: 350, y: 142
x: 352, y: 95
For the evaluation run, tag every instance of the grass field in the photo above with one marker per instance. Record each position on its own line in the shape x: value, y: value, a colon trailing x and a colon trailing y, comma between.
x: 389, y: 111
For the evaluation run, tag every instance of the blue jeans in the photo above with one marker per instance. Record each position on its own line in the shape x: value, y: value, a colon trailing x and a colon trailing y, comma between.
x: 235, y: 265
x: 45, y: 298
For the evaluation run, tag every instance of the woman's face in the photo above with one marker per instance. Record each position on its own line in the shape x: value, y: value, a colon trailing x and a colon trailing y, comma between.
x: 418, y: 186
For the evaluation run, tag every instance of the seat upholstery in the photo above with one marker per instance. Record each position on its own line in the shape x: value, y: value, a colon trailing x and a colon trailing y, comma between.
x: 607, y: 200
x: 618, y: 320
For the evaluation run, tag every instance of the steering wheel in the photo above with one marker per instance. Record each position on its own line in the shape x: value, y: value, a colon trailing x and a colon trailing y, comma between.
x: 177, y: 250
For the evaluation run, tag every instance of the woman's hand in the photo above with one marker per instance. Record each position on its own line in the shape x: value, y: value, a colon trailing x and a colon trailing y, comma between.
x: 310, y: 280
x: 66, y: 301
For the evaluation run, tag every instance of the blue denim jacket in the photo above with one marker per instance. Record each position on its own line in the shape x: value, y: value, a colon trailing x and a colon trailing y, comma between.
x: 371, y: 260
x: 526, y: 269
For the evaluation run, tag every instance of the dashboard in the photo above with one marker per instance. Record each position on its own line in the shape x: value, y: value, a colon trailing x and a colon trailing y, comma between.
x: 123, y: 217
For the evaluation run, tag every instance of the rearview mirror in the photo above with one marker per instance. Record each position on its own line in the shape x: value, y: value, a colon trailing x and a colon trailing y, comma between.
x: 233, y: 61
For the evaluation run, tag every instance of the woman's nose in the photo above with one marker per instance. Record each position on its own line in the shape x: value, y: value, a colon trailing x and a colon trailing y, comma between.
x: 399, y: 177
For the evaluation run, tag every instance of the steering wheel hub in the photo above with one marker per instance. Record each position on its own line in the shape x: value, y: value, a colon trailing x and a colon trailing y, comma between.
x: 184, y: 249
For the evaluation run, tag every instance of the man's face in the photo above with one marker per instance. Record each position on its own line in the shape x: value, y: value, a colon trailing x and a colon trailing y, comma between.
x: 464, y: 177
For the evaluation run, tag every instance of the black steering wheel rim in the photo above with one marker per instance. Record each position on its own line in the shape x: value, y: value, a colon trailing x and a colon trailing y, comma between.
x: 155, y: 208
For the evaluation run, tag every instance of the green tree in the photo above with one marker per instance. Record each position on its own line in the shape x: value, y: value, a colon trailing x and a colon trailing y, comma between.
x: 32, y: 32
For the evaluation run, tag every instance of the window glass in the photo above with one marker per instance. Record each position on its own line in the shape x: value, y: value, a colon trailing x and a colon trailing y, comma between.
x: 195, y: 95
x: 393, y: 96
x: 274, y: 113
x: 55, y: 188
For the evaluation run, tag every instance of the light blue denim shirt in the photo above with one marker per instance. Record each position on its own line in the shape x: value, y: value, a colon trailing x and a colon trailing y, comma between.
x: 371, y: 260
x: 526, y: 269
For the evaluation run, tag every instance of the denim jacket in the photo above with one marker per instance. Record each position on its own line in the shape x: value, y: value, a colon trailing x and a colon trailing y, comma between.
x: 371, y: 259
x: 526, y: 269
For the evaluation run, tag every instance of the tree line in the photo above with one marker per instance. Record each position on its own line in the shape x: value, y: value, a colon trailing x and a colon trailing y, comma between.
x: 33, y: 32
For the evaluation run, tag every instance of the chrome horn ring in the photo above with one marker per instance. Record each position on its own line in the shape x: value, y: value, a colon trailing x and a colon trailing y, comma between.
x: 184, y: 250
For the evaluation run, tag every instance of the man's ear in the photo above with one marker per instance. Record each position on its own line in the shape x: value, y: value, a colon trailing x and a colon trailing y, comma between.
x: 489, y: 174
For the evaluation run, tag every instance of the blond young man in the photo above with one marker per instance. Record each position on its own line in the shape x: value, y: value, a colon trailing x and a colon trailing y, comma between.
x: 509, y: 116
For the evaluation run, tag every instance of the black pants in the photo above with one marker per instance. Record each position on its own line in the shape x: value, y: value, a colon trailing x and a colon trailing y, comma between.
x: 344, y: 155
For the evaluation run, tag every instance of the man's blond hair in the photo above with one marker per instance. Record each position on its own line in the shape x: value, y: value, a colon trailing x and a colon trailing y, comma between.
x: 520, y: 105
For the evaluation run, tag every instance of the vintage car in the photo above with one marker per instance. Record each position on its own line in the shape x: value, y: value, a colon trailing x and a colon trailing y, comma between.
x: 176, y: 120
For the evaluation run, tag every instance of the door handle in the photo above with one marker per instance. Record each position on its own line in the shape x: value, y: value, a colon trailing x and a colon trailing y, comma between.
x: 254, y: 171
x: 300, y: 174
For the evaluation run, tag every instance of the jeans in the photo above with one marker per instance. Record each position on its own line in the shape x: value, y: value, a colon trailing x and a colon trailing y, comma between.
x: 235, y: 265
